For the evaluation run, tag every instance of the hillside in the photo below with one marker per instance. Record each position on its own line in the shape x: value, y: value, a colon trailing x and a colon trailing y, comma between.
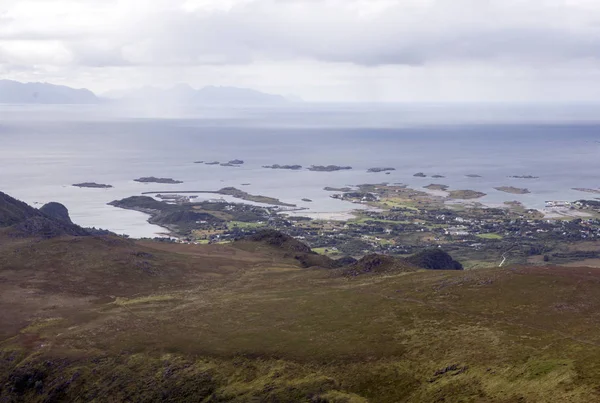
x: 18, y: 219
x: 14, y: 92
x: 102, y: 318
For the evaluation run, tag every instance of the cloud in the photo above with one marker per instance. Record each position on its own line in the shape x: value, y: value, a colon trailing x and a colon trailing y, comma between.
x: 354, y: 48
x: 370, y: 33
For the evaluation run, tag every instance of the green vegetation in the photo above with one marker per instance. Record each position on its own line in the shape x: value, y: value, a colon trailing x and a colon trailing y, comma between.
x: 490, y: 236
x: 247, y: 323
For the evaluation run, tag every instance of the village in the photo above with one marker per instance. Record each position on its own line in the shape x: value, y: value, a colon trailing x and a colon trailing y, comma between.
x: 402, y: 221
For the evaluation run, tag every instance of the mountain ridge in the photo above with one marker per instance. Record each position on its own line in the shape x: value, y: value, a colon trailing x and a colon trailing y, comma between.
x: 16, y: 92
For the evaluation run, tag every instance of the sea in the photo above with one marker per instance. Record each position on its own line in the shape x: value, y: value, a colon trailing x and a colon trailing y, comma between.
x: 46, y: 149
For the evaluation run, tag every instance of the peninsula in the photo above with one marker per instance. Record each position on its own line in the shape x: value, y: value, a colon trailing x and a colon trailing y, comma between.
x: 233, y: 192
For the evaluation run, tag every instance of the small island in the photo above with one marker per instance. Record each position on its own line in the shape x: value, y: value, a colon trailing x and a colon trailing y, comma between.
x: 153, y: 179
x: 465, y: 194
x: 328, y: 168
x: 307, y: 200
x: 587, y: 190
x: 420, y: 175
x: 524, y: 177
x: 277, y: 166
x: 380, y: 169
x: 437, y: 176
x: 198, y: 162
x: 92, y: 185
x: 513, y: 190
x: 330, y: 189
x: 228, y: 164
x: 236, y: 162
x: 212, y: 163
x: 473, y: 176
x: 435, y: 186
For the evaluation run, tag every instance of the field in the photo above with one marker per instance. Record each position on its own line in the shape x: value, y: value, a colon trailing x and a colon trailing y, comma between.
x: 113, y: 320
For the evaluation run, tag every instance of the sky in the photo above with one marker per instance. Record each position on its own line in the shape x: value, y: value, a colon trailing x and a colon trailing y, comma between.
x: 320, y: 50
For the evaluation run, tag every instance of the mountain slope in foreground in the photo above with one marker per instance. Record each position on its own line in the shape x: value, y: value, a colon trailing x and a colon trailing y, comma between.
x: 102, y: 318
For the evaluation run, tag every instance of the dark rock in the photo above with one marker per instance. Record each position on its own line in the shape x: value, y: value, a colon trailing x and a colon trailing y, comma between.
x: 434, y: 259
x: 56, y: 211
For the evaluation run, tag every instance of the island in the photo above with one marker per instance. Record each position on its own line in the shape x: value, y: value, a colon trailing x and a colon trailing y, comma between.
x: 435, y: 186
x: 92, y: 185
x: 328, y: 168
x: 212, y: 163
x: 420, y: 175
x: 233, y: 192
x: 277, y: 166
x: 524, y: 177
x: 236, y: 162
x: 330, y: 189
x: 473, y: 176
x: 587, y: 190
x: 228, y: 164
x: 153, y: 179
x: 513, y: 190
x: 437, y: 176
x: 307, y: 200
x: 198, y: 162
x: 465, y: 194
x: 380, y: 169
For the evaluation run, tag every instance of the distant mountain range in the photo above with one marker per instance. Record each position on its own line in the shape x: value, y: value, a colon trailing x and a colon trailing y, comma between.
x: 211, y: 95
x: 14, y: 92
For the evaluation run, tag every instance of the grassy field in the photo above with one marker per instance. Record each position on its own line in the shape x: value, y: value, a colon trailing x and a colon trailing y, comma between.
x: 490, y: 236
x: 86, y: 321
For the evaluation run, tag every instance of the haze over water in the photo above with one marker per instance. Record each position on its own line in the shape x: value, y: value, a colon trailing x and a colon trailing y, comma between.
x: 44, y: 150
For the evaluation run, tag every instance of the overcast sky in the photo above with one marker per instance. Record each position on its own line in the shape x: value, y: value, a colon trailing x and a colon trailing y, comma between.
x: 321, y: 50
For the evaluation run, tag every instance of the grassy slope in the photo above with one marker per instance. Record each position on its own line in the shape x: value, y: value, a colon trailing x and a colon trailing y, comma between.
x: 235, y: 325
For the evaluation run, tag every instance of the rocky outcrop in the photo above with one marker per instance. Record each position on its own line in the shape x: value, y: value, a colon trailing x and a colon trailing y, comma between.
x: 57, y: 211
x: 434, y: 259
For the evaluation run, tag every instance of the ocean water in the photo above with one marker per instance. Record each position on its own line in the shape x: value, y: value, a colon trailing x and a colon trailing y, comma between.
x: 43, y: 150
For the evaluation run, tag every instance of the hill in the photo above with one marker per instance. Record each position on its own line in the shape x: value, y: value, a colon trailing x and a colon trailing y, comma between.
x: 106, y: 319
x: 22, y: 220
x: 14, y: 92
